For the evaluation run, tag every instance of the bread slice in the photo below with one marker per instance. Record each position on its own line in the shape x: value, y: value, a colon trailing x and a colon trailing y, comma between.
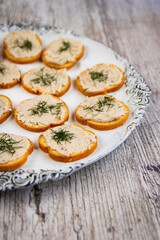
x: 46, y: 80
x: 14, y: 150
x: 53, y: 57
x: 5, y: 108
x: 22, y: 47
x: 40, y: 113
x: 100, y: 79
x: 9, y: 74
x: 102, y: 112
x: 80, y: 143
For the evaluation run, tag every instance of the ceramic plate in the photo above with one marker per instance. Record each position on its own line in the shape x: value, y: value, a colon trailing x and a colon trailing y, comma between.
x: 135, y: 93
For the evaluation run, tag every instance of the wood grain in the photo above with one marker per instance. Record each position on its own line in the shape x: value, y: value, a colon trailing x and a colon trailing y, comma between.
x: 118, y: 197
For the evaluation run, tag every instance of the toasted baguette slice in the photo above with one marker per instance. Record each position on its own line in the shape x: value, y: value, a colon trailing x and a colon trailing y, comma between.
x: 14, y: 155
x: 9, y: 74
x: 58, y: 55
x: 5, y: 108
x: 22, y: 47
x: 100, y: 79
x: 40, y: 113
x: 102, y: 112
x: 46, y: 80
x: 68, y: 143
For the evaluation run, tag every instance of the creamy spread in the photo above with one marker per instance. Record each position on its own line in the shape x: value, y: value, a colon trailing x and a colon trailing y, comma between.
x: 4, y: 106
x: 8, y: 72
x: 15, y: 42
x: 20, y: 148
x: 46, y: 79
x: 102, y: 108
x: 58, y: 52
x: 41, y: 111
x: 80, y: 142
x: 108, y: 76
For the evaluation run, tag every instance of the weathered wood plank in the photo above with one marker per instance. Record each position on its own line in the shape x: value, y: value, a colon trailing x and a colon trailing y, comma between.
x: 119, y: 196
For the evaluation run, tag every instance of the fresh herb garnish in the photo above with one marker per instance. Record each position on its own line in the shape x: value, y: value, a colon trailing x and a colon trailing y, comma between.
x: 66, y: 46
x: 45, y: 79
x: 2, y: 68
x: 99, y: 76
x: 42, y: 108
x: 25, y: 45
x: 62, y: 135
x: 8, y: 144
x: 99, y: 106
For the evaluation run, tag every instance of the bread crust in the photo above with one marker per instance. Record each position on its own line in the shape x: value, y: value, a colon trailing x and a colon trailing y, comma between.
x: 7, y: 114
x: 22, y: 60
x: 11, y: 84
x: 62, y: 158
x: 67, y: 65
x: 104, y: 126
x: 19, y: 161
x: 34, y: 128
x: 39, y: 91
x: 105, y: 90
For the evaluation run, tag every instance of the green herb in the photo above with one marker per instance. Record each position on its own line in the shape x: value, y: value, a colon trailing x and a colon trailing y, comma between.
x: 66, y: 46
x: 45, y: 79
x: 99, y: 106
x: 42, y: 108
x: 25, y: 45
x: 2, y: 68
x: 99, y: 76
x: 8, y: 144
x: 62, y: 135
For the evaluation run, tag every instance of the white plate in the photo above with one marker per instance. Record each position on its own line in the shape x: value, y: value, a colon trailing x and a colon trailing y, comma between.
x: 135, y: 93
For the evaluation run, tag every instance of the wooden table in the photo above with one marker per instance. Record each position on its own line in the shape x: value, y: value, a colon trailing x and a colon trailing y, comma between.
x: 117, y: 197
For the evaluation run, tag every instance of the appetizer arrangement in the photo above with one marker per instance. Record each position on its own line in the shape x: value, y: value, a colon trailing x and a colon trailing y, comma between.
x: 48, y: 113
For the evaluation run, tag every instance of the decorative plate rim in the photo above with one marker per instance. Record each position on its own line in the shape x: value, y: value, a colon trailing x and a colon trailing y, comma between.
x: 139, y: 95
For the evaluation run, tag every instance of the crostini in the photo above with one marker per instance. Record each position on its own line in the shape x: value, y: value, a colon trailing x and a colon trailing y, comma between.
x: 100, y: 79
x: 68, y: 143
x: 5, y: 108
x: 63, y: 53
x: 102, y: 112
x: 14, y: 150
x: 22, y: 46
x: 41, y: 112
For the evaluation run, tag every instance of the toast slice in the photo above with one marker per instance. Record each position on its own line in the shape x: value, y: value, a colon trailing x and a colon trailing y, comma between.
x: 22, y: 47
x: 63, y: 53
x: 41, y: 112
x: 100, y: 79
x: 14, y: 150
x: 9, y: 74
x: 5, y: 108
x: 102, y: 112
x: 68, y: 143
x: 46, y: 80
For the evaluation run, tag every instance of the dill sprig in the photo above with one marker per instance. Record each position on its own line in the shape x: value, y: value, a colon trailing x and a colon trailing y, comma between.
x: 8, y: 144
x: 62, y: 135
x: 2, y: 68
x: 99, y: 106
x: 99, y: 76
x: 25, y: 45
x: 42, y: 108
x: 66, y: 46
x: 45, y: 79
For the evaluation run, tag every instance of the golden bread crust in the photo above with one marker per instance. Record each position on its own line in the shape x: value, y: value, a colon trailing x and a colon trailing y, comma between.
x: 105, y: 90
x: 18, y: 162
x: 104, y: 126
x: 7, y: 114
x: 67, y: 65
x: 22, y: 60
x: 62, y: 158
x: 35, y: 128
x: 39, y: 91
